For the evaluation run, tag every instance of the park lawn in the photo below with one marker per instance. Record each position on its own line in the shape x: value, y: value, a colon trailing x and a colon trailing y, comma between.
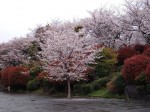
x: 104, y: 93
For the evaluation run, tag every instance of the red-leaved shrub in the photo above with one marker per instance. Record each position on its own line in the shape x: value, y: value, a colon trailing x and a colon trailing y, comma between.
x: 139, y: 48
x: 134, y: 67
x: 147, y: 72
x: 42, y: 75
x: 147, y: 52
x: 124, y: 53
x: 15, y: 76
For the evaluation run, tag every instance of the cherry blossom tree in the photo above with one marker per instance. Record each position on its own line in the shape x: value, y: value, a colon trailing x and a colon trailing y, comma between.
x: 65, y: 52
x: 13, y: 52
x: 103, y: 26
x: 135, y: 21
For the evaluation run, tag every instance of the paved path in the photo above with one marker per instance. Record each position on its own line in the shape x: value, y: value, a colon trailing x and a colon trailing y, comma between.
x: 37, y: 103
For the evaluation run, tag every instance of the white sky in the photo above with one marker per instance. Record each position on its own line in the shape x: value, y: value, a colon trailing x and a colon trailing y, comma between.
x: 18, y: 16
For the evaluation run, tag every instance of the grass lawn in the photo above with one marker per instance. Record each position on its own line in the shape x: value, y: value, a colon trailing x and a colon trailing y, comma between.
x: 104, y: 93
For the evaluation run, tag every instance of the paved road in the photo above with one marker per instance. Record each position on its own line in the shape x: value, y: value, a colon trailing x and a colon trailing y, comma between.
x: 37, y: 103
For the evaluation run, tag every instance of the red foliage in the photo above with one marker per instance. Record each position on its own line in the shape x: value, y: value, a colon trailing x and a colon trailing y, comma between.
x: 134, y: 66
x: 147, y: 72
x: 139, y: 48
x: 124, y: 53
x: 18, y: 75
x: 42, y: 75
x: 146, y: 47
x: 147, y: 52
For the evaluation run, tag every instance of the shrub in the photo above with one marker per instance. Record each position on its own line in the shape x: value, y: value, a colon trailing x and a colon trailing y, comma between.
x: 104, y: 63
x: 35, y: 71
x: 15, y: 76
x: 139, y: 48
x: 125, y: 53
x: 147, y: 52
x: 141, y: 79
x: 134, y: 67
x: 82, y: 89
x: 147, y: 72
x: 33, y: 85
x: 100, y: 83
x: 116, y: 85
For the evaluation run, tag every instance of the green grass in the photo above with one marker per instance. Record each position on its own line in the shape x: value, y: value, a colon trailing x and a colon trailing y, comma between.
x: 104, y: 93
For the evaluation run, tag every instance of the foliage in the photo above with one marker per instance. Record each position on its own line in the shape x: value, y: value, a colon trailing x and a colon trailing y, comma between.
x: 116, y: 85
x: 35, y: 71
x: 82, y: 89
x: 124, y: 53
x: 102, y: 25
x: 78, y: 28
x: 15, y: 76
x: 141, y: 79
x: 139, y: 48
x: 135, y: 21
x: 12, y: 53
x: 65, y: 53
x: 134, y: 66
x: 87, y: 88
x: 147, y: 52
x: 33, y: 85
x: 100, y: 83
x: 104, y: 63
x: 32, y: 50
x: 147, y: 72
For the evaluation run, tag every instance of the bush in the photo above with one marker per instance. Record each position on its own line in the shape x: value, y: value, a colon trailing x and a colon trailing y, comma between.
x: 147, y: 72
x: 41, y: 76
x: 33, y: 85
x: 82, y: 89
x: 104, y: 63
x: 125, y: 53
x: 147, y: 52
x: 116, y: 85
x: 35, y: 71
x: 139, y: 48
x: 134, y: 67
x: 15, y: 76
x: 141, y: 79
x: 100, y: 83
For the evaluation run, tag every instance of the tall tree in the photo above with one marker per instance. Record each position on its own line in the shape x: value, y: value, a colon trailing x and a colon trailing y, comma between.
x: 66, y: 53
x: 136, y: 21
x: 103, y: 25
x: 12, y: 52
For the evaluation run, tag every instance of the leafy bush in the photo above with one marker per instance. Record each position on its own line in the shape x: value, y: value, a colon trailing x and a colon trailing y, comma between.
x: 147, y: 52
x: 35, y: 71
x: 104, y: 63
x: 125, y: 53
x: 134, y: 67
x: 139, y: 48
x: 82, y: 89
x: 15, y: 76
x: 116, y: 85
x: 33, y: 85
x: 141, y: 79
x: 100, y: 83
x: 147, y: 72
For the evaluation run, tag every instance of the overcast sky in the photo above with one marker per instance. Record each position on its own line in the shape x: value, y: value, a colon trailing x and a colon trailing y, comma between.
x: 17, y: 17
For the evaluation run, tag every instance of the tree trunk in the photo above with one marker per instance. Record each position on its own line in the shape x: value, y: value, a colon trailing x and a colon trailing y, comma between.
x: 69, y: 88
